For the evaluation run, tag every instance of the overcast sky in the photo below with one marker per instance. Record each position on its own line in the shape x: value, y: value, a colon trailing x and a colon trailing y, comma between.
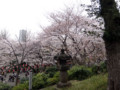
x: 29, y: 14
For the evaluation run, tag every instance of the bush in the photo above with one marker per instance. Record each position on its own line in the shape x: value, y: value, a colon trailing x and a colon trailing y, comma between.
x: 24, y: 79
x: 57, y: 75
x: 51, y: 71
x: 79, y: 73
x: 39, y: 81
x: 4, y: 86
x: 101, y: 68
x: 52, y: 81
x: 21, y: 86
x: 95, y: 69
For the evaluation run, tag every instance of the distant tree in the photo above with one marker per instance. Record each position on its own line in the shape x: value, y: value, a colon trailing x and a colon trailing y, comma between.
x: 4, y: 34
x: 19, y: 51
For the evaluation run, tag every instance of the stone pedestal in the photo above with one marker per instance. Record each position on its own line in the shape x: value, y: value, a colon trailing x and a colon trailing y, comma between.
x: 61, y: 85
x: 63, y: 76
x: 63, y: 80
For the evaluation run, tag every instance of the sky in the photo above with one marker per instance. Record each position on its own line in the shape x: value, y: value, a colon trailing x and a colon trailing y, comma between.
x: 16, y: 15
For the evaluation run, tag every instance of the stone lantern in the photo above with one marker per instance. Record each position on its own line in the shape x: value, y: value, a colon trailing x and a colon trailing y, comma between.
x: 62, y: 59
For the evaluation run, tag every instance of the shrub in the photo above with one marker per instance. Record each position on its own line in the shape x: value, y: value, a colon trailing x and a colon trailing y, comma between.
x: 39, y: 81
x: 101, y: 68
x: 4, y: 86
x: 57, y: 75
x: 79, y: 73
x: 95, y: 69
x: 52, y: 81
x: 21, y: 86
x: 24, y: 80
x: 51, y: 71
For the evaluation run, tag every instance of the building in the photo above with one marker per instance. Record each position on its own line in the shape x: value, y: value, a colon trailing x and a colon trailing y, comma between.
x: 23, y: 35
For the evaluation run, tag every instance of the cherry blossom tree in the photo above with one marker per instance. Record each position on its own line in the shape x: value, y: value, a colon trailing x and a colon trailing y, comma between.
x: 77, y: 34
x: 18, y: 51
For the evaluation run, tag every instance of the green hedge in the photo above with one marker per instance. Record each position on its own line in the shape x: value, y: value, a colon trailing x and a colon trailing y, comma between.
x: 79, y: 73
x: 4, y: 86
x: 51, y: 71
x: 24, y: 79
x: 39, y: 81
x: 21, y: 86
x: 100, y: 68
x: 52, y: 81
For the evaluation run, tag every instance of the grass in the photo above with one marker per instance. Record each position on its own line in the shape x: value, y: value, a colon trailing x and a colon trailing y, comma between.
x: 98, y: 82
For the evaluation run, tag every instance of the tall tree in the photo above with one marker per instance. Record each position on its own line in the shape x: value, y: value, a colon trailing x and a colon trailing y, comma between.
x: 111, y: 17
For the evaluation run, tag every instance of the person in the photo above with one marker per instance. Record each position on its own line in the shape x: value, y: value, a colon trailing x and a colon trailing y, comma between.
x: 4, y: 81
x: 14, y: 75
x: 2, y: 73
x: 9, y: 78
x: 12, y: 78
x: 25, y: 74
x: 2, y: 78
x: 5, y: 74
x: 13, y: 71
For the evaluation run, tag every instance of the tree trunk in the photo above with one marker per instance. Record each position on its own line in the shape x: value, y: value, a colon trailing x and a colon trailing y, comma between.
x: 17, y: 77
x: 113, y: 55
x: 111, y: 36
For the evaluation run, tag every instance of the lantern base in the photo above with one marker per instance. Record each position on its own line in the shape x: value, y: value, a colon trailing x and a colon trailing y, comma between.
x: 61, y: 85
